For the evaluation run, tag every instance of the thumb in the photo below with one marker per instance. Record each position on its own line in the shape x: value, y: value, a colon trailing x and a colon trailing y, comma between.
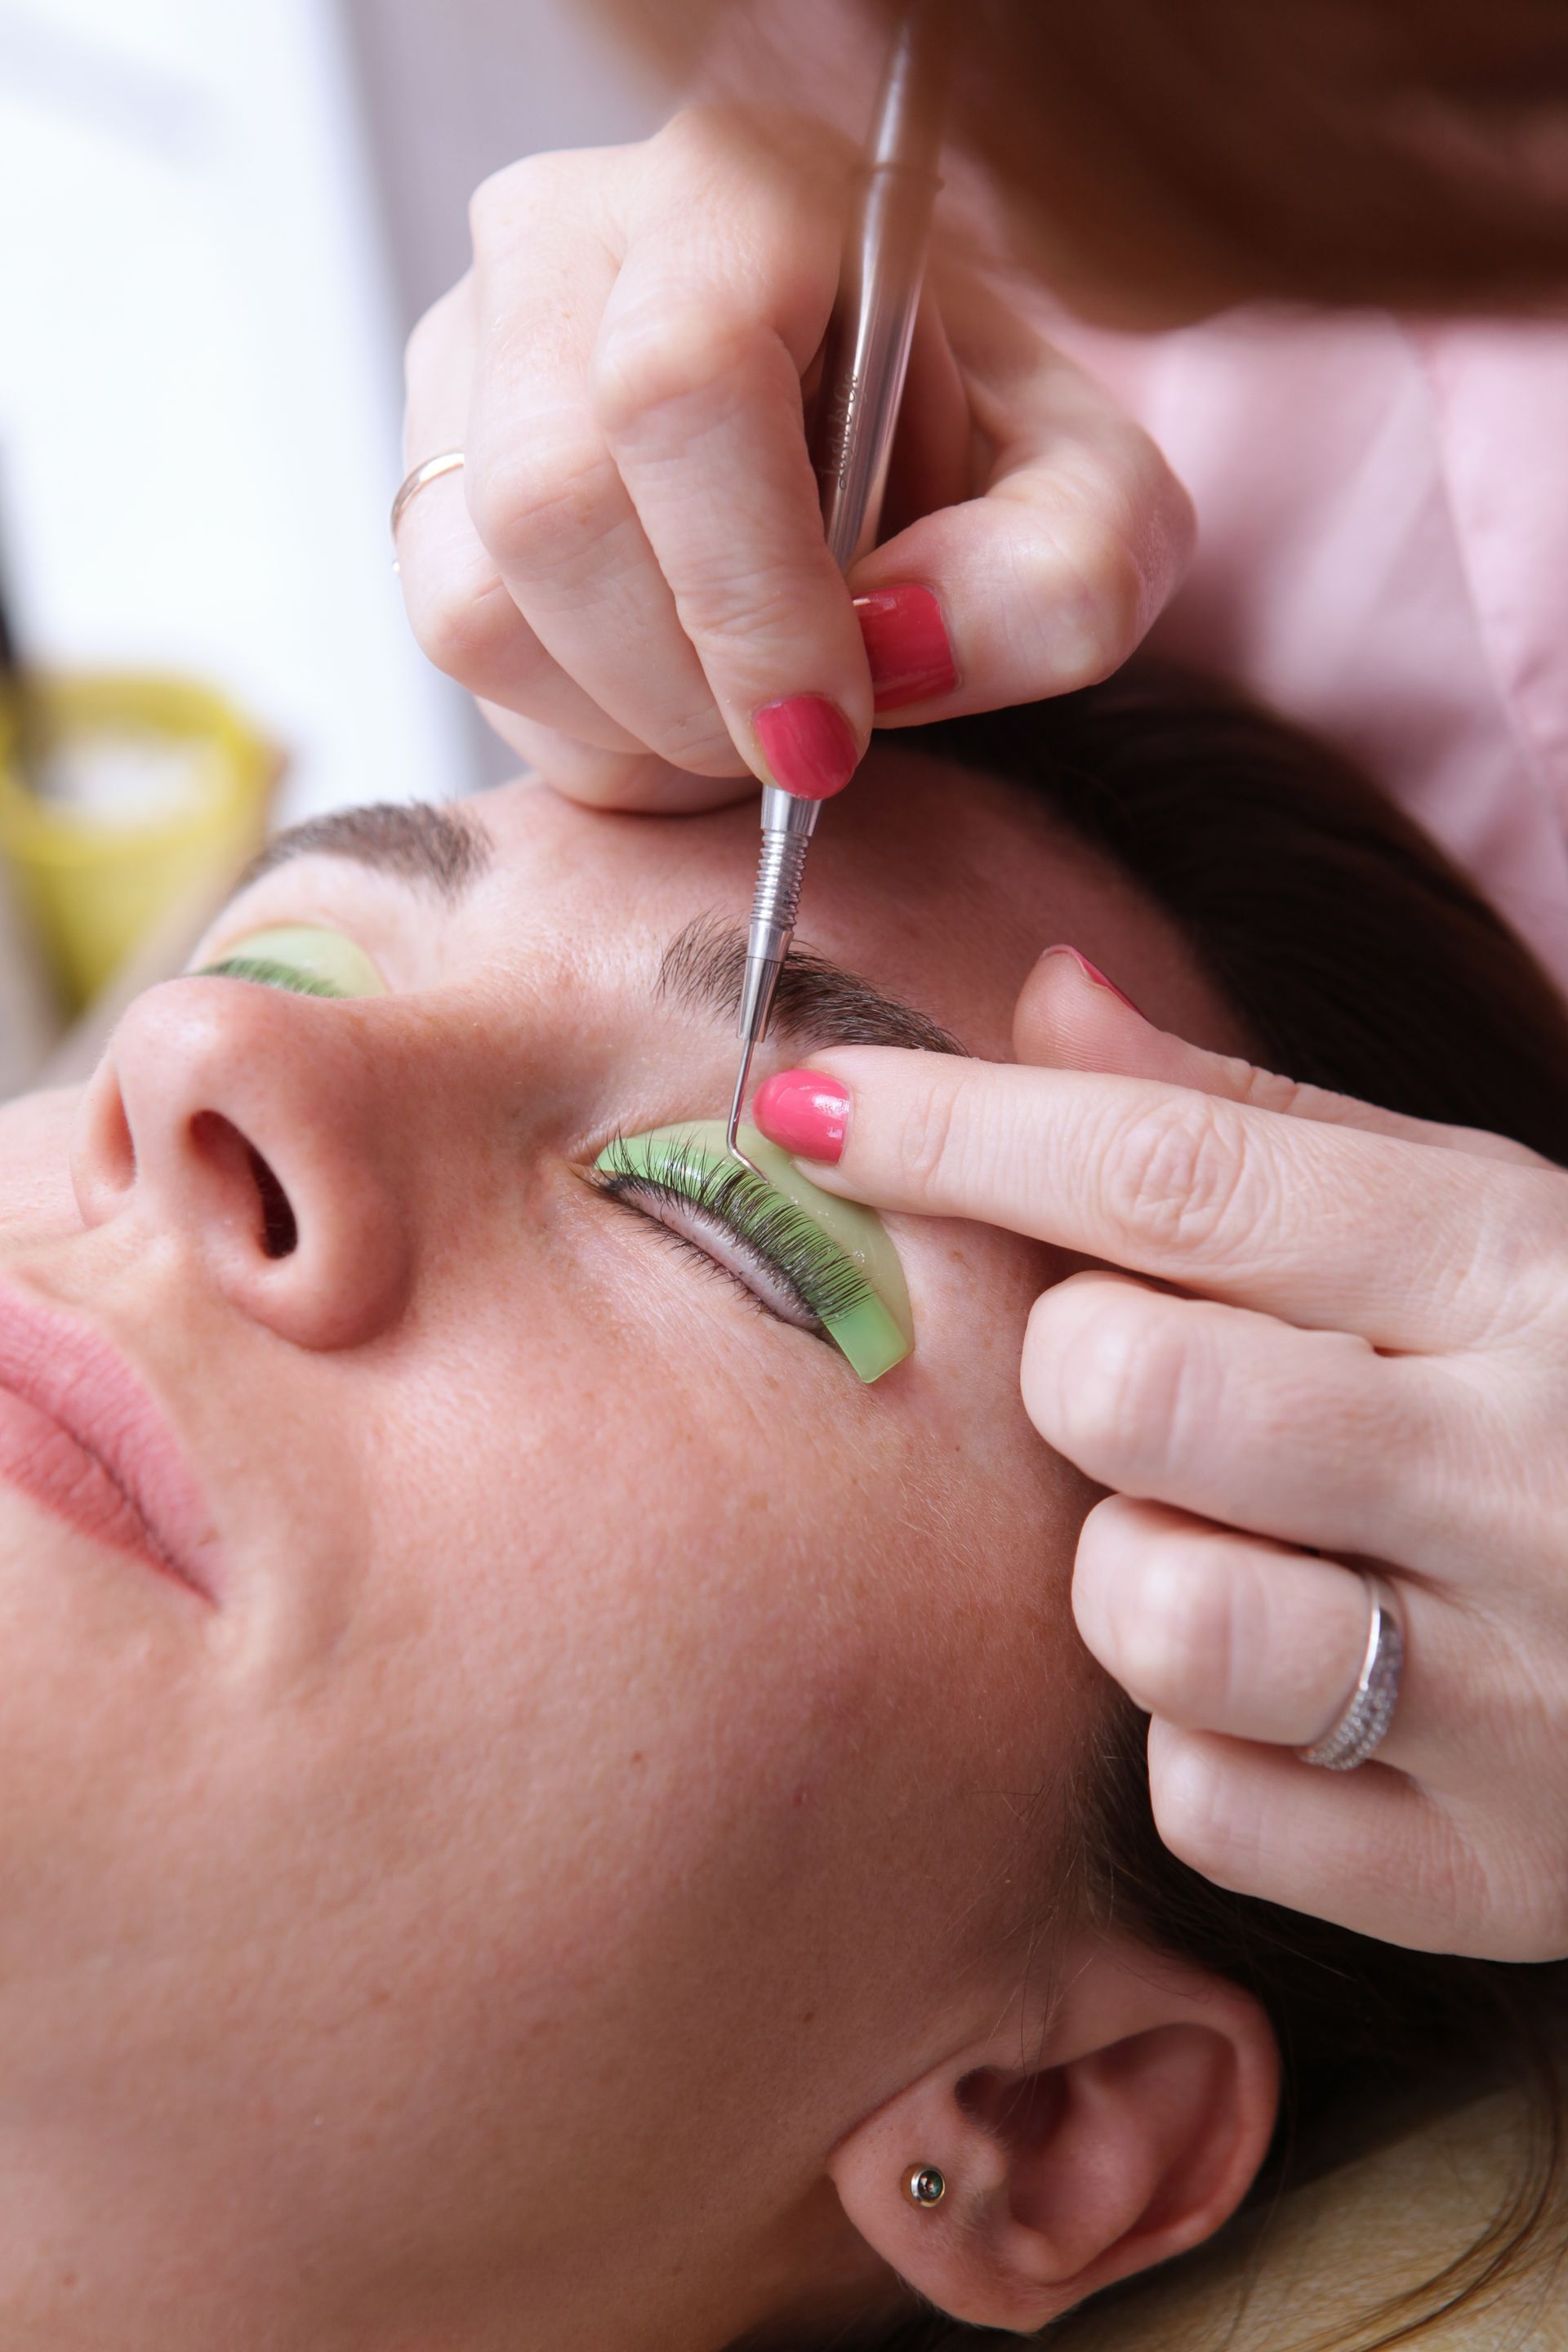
x: 634, y: 783
x: 1069, y: 1016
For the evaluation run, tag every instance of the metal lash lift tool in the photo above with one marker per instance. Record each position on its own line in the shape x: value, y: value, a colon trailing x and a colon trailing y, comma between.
x: 864, y: 361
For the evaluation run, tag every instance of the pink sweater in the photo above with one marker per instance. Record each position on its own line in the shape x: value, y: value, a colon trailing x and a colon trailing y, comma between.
x: 1383, y: 553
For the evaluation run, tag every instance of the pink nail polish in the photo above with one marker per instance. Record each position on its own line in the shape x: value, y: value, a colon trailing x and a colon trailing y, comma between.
x: 802, y: 1111
x: 907, y: 645
x: 1092, y: 972
x: 809, y: 744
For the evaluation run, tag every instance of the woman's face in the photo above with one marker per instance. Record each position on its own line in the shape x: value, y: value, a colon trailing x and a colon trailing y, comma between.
x: 603, y: 1744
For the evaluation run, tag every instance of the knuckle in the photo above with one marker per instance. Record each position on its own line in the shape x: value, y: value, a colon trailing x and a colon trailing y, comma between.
x: 738, y: 611
x: 1115, y: 614
x: 1156, y: 509
x: 928, y: 1138
x: 1181, y: 1178
x: 1097, y: 621
x: 758, y: 163
x: 1121, y: 532
x: 663, y: 354
x: 1124, y: 1384
x: 1197, y: 1814
x: 495, y: 201
x: 504, y: 201
x: 432, y: 336
x: 1175, y: 1641
x: 484, y: 207
x: 700, y: 135
x: 459, y: 623
x: 538, y: 506
x: 1173, y: 519
x: 452, y: 626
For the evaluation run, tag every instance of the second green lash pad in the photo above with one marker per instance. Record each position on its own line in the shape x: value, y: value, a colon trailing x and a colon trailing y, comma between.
x: 875, y: 1335
x: 335, y: 964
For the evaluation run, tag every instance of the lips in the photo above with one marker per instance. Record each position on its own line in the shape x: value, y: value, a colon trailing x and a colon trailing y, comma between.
x: 79, y: 1434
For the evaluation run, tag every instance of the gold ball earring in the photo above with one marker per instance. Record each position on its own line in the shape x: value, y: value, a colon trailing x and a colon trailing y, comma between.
x: 924, y: 2186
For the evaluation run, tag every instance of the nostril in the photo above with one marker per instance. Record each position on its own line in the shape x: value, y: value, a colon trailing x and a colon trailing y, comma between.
x: 248, y: 1182
x: 280, y: 1230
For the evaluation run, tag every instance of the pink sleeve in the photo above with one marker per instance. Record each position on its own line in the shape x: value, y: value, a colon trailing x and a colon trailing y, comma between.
x: 1383, y: 547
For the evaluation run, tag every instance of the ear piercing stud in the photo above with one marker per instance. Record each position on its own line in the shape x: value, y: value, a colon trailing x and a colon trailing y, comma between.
x: 924, y: 2186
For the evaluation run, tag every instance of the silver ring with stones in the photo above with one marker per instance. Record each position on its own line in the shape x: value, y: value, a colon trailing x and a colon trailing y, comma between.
x: 1363, y: 1727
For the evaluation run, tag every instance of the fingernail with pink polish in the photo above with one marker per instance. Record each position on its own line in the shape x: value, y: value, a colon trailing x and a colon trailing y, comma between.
x: 809, y: 744
x: 907, y: 645
x: 1092, y: 972
x: 805, y: 1112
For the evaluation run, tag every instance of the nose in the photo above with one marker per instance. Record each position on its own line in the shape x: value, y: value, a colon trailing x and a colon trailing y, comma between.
x: 258, y: 1129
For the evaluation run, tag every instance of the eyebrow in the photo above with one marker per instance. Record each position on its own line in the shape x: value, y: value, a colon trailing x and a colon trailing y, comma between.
x: 413, y: 841
x: 817, y: 1001
x: 702, y: 969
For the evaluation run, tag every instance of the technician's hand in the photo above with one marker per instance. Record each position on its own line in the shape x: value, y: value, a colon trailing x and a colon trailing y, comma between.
x: 1365, y: 1357
x: 629, y: 569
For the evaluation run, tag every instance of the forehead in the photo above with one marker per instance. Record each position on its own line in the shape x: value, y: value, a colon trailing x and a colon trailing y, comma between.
x: 941, y: 886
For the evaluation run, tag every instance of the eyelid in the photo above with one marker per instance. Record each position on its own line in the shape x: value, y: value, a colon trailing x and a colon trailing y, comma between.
x: 719, y: 1247
x: 867, y: 1310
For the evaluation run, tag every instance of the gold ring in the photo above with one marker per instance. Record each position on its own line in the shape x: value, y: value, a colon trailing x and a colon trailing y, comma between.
x: 430, y: 471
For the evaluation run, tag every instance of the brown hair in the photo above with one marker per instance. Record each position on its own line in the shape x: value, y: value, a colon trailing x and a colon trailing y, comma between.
x: 1189, y: 152
x: 1364, y: 961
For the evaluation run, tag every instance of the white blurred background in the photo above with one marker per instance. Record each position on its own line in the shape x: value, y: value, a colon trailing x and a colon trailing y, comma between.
x: 217, y: 220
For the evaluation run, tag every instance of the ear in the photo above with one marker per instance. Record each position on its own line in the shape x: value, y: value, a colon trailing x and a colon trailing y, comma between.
x: 1130, y: 2133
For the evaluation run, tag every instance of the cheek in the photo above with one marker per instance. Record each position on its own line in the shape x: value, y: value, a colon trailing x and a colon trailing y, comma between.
x: 662, y: 1632
x: 600, y: 1707
x: 664, y: 1539
x: 36, y: 1202
x: 642, y: 1601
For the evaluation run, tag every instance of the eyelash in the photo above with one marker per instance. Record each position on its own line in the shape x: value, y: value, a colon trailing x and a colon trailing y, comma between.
x: 816, y: 1275
x: 270, y: 974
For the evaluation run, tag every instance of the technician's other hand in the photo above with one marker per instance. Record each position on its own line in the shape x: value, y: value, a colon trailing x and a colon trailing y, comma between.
x: 629, y: 571
x: 1364, y: 1357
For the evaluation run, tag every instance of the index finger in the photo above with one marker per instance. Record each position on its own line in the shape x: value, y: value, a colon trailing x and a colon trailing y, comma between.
x: 721, y: 300
x: 1412, y: 1246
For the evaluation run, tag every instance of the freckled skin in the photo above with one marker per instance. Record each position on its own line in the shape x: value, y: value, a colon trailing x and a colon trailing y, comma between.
x: 590, y: 1647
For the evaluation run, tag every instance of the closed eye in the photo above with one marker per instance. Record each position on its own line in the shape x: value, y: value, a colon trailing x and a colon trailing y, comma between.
x: 716, y: 1206
x: 719, y: 1246
x: 822, y: 1265
x: 311, y: 959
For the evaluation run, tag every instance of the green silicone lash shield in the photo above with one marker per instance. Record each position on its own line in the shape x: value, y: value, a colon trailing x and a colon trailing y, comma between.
x: 876, y: 1333
x: 337, y: 965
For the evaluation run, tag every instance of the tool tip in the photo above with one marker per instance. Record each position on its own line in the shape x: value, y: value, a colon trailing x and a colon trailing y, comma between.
x: 737, y: 1103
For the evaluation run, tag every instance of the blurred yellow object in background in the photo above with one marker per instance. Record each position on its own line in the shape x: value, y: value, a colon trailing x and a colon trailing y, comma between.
x: 139, y: 792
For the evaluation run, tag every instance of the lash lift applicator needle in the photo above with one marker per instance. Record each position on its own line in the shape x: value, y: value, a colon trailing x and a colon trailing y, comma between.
x: 866, y: 358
